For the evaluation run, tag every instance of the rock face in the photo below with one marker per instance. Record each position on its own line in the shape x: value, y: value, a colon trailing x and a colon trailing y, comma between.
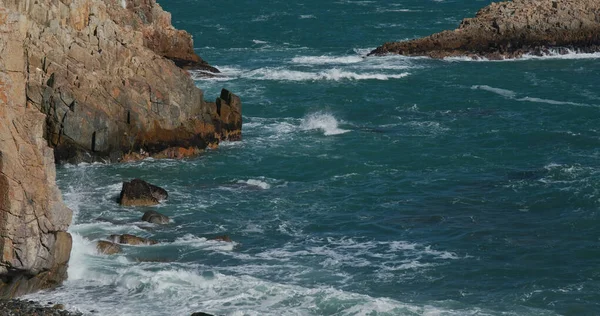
x: 155, y: 218
x: 141, y: 193
x: 34, y: 245
x: 106, y: 76
x: 511, y: 29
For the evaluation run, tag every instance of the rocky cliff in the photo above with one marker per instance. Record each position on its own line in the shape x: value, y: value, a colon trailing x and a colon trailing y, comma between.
x: 34, y: 246
x: 511, y: 29
x: 84, y: 80
x: 105, y: 72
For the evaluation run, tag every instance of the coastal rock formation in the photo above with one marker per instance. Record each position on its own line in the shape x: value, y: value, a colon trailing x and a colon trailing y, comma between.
x: 106, y: 76
x: 128, y: 239
x: 141, y: 193
x: 511, y: 29
x: 34, y: 245
x: 107, y: 248
x: 93, y: 80
x: 155, y: 217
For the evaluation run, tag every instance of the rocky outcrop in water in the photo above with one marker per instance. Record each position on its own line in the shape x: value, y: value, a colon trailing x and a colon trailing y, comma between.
x: 128, y: 239
x: 155, y: 217
x: 107, y: 248
x: 512, y: 29
x: 106, y: 76
x: 34, y: 244
x: 141, y: 193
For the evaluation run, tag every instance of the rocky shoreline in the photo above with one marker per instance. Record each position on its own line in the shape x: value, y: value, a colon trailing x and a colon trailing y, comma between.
x: 511, y: 29
x: 32, y: 308
x: 89, y: 80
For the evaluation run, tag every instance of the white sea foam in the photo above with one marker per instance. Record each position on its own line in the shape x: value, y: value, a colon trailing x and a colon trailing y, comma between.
x: 322, y: 60
x: 202, y: 243
x: 335, y: 74
x: 322, y: 121
x: 256, y: 183
x: 562, y: 54
x: 552, y: 54
x: 255, y: 41
x: 509, y: 94
x: 307, y: 16
x: 503, y: 92
x: 184, y: 290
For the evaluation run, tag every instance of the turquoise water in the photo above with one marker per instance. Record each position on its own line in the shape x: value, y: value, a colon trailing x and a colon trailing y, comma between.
x: 363, y: 186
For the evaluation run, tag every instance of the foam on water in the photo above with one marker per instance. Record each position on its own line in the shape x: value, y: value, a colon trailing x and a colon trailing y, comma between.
x: 325, y: 122
x: 335, y: 74
x: 503, y: 92
x: 509, y: 94
x: 322, y: 60
x: 256, y: 183
x: 552, y: 54
x: 183, y: 290
x: 202, y: 243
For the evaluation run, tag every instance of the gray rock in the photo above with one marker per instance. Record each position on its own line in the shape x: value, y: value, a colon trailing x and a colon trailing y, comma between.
x: 155, y: 217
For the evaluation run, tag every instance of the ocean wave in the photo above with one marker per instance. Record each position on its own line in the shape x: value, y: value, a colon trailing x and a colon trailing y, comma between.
x: 182, y: 290
x: 335, y: 74
x: 322, y: 60
x: 286, y: 74
x: 193, y: 241
x: 551, y: 54
x: 322, y: 121
x: 256, y: 183
x: 509, y: 94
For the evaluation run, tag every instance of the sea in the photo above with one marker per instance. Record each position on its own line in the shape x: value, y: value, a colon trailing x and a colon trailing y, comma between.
x: 363, y: 185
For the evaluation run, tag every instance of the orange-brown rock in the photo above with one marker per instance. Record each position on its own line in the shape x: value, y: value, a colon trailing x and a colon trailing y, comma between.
x: 511, y: 29
x: 104, y: 75
x: 34, y: 245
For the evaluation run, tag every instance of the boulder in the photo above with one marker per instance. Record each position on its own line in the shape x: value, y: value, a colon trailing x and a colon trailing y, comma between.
x: 141, y: 193
x: 131, y: 240
x: 107, y: 248
x: 511, y: 29
x: 155, y: 217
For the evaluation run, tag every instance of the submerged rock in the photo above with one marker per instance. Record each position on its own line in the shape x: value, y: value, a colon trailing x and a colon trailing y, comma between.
x: 511, y: 29
x: 155, y: 217
x: 141, y: 193
x: 107, y: 247
x: 131, y: 240
x: 224, y: 238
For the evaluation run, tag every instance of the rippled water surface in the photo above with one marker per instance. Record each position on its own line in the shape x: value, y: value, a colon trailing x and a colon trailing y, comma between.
x: 363, y: 186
